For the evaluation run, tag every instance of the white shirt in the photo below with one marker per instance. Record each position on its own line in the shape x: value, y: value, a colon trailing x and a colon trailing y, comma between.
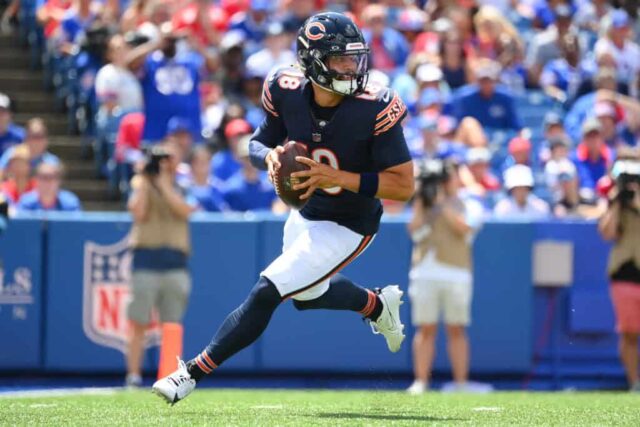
x: 627, y: 59
x: 120, y: 83
x: 261, y: 62
x: 535, y: 208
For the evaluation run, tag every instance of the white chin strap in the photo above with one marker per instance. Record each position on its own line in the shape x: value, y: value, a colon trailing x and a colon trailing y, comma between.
x: 345, y: 87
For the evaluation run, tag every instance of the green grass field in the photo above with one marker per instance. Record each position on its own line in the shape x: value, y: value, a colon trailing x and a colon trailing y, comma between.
x: 325, y: 408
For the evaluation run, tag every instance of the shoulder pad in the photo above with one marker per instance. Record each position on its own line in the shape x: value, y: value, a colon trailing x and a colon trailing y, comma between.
x: 391, y: 110
x: 279, y: 80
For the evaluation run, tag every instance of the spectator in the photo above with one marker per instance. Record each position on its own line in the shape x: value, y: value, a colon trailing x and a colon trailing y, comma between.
x: 621, y: 225
x: 248, y: 189
x: 498, y: 40
x: 214, y: 105
x: 209, y: 197
x: 224, y: 164
x: 389, y: 49
x: 116, y: 86
x: 477, y: 178
x: 605, y: 80
x: 411, y: 23
x: 519, y: 153
x: 275, y: 53
x: 618, y: 43
x: 493, y: 107
x: 37, y: 140
x: 521, y: 203
x: 592, y: 159
x: 429, y: 76
x: 562, y: 77
x: 160, y: 245
x: 202, y: 19
x: 566, y: 198
x: 297, y: 11
x: 18, y: 174
x: 614, y: 131
x: 169, y: 85
x: 432, y: 146
x: 253, y: 23
x: 553, y: 127
x: 545, y: 46
x: 49, y: 13
x: 134, y: 15
x: 440, y: 278
x: 75, y: 21
x: 10, y: 133
x: 47, y: 195
x: 453, y: 60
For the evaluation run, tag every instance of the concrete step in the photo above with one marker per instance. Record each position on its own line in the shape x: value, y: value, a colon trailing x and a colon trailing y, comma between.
x: 56, y: 123
x: 8, y: 42
x: 88, y: 189
x: 14, y: 58
x: 103, y: 206
x: 66, y: 147
x: 20, y: 79
x: 75, y: 169
x: 31, y: 102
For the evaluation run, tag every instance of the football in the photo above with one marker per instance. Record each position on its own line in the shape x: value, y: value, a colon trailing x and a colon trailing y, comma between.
x: 284, y: 182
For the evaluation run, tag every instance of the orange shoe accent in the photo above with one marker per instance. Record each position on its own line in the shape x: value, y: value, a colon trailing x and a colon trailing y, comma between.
x: 170, y: 349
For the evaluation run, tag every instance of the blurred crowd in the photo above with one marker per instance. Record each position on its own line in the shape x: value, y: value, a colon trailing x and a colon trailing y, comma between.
x: 531, y: 98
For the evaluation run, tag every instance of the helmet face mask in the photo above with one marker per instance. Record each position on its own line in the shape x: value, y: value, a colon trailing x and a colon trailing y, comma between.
x: 332, y: 54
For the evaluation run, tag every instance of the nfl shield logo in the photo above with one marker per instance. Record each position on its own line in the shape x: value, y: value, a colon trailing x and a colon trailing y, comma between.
x: 106, y: 296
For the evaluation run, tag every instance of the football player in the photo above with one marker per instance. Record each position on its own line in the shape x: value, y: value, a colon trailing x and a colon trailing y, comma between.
x: 358, y: 155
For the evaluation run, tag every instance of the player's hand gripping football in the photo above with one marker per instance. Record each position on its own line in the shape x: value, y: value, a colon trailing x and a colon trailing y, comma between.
x: 320, y: 176
x: 273, y: 164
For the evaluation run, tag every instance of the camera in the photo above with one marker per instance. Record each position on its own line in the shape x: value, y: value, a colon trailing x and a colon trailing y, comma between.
x: 432, y: 173
x: 154, y: 156
x: 96, y: 39
x: 626, y: 173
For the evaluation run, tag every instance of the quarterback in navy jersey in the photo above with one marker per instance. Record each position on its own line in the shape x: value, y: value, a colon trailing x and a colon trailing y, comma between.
x: 358, y: 155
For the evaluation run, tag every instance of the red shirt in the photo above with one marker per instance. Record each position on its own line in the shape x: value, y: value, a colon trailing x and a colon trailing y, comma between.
x: 49, y: 6
x: 10, y: 189
x: 129, y: 135
x: 188, y: 18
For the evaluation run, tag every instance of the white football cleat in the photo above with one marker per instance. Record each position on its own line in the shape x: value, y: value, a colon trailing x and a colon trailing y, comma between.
x: 176, y: 386
x: 389, y: 324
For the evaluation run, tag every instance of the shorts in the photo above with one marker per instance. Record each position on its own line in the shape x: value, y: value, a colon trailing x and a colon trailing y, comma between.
x: 626, y: 304
x: 431, y: 298
x: 312, y: 252
x: 168, y: 291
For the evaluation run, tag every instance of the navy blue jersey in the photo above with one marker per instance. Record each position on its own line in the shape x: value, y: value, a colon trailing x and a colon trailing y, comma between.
x: 364, y: 135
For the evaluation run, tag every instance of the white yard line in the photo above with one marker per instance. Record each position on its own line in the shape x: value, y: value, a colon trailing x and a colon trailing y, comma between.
x: 60, y: 392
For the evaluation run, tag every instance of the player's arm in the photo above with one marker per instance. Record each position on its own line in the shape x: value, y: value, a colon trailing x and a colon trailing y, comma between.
x: 394, y: 183
x: 265, y: 142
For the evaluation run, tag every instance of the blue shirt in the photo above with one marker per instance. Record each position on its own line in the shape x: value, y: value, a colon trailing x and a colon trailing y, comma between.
x: 73, y: 27
x: 46, y: 157
x: 223, y: 166
x: 589, y: 172
x: 209, y: 198
x: 561, y: 74
x: 243, y: 196
x: 67, y: 201
x: 14, y: 135
x: 498, y: 112
x: 170, y: 88
x: 581, y: 109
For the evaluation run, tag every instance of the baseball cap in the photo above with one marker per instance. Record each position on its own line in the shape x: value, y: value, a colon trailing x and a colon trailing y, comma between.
x: 488, y: 70
x: 552, y: 119
x: 619, y: 18
x: 562, y: 11
x: 518, y: 176
x: 478, y: 155
x: 592, y: 124
x: 178, y: 124
x: 604, y: 109
x: 236, y: 127
x: 430, y: 96
x: 559, y: 140
x: 5, y: 102
x: 519, y: 144
x: 411, y: 20
x: 275, y: 29
x: 427, y: 73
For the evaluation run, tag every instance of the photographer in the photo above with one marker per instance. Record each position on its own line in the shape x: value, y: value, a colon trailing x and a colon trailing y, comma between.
x: 440, y: 277
x: 621, y: 224
x: 160, y: 242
